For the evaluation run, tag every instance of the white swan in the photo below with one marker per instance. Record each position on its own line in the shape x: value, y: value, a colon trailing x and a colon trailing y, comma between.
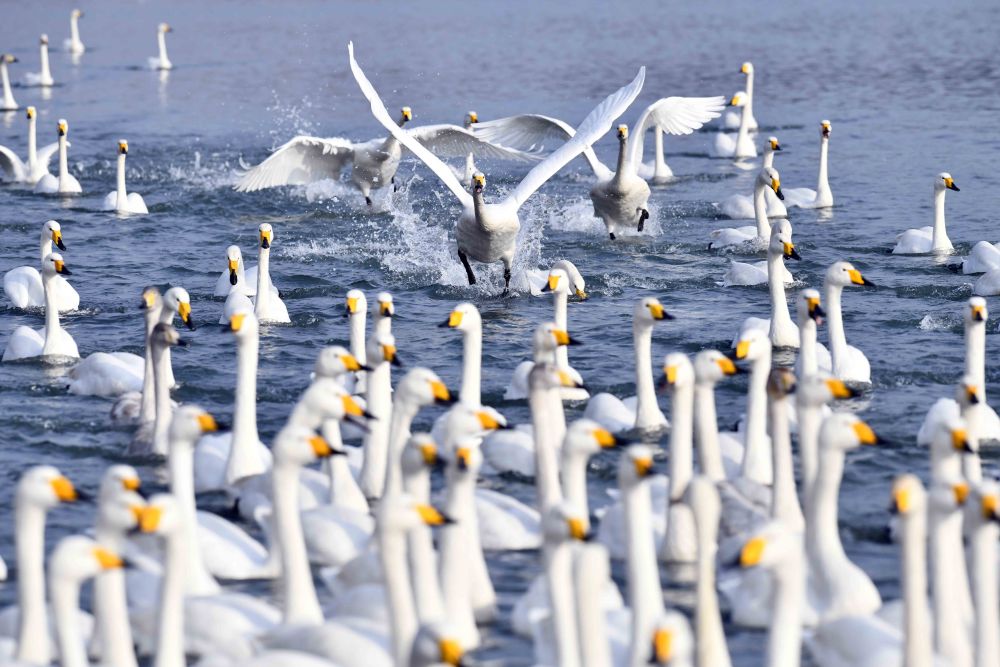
x: 983, y: 517
x: 719, y: 455
x: 139, y: 407
x: 65, y: 183
x: 954, y: 615
x: 731, y: 119
x: 236, y: 276
x: 74, y: 45
x: 37, y: 164
x: 848, y: 362
x: 268, y: 306
x: 9, y: 103
x: 929, y: 239
x: 620, y: 196
x: 379, y: 403
x: 760, y: 233
x: 703, y: 498
x: 52, y: 339
x: 161, y: 61
x: 814, y: 357
x: 564, y: 278
x: 779, y: 327
x: 741, y: 145
x: 822, y: 196
x: 983, y: 258
x: 44, y: 77
x: 680, y: 542
x: 23, y: 285
x: 119, y: 200
x: 742, y: 206
x: 488, y: 232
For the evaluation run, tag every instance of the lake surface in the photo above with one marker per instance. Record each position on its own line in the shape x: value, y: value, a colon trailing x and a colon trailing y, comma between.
x: 910, y: 88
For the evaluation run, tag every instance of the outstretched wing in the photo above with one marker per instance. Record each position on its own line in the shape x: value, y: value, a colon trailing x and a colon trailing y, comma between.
x: 405, y: 138
x: 593, y: 127
x: 673, y: 115
x: 45, y: 153
x: 302, y: 160
x: 11, y: 164
x: 532, y: 132
x: 454, y: 141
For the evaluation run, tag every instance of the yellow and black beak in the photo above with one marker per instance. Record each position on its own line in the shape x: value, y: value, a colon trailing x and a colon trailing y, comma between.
x: 552, y: 283
x: 265, y: 239
x: 839, y: 390
x: 961, y: 492
x: 207, y: 423
x: 234, y: 265
x: 825, y: 129
x: 389, y: 354
x: 64, y: 489
x: 123, y: 147
x: 972, y: 394
x: 429, y: 453
x: 31, y: 113
x: 454, y: 320
x: 990, y: 505
x: 350, y: 306
x: 440, y: 393
x: 320, y: 447
x: 950, y: 184
x: 978, y: 313
x: 658, y: 312
x: 734, y: 101
x: 236, y: 321
x: 131, y: 483
x: 605, y: 439
x: 432, y: 516
x: 865, y: 434
x: 478, y: 182
x: 57, y: 239
x: 385, y: 309
x: 577, y: 529
x: 775, y: 146
x: 623, y: 132
x: 790, y: 252
x: 407, y: 114
x: 563, y: 338
x: 473, y: 117
x: 643, y: 466
x: 902, y: 502
x: 742, y: 349
x: 960, y: 441
x: 752, y: 552
x: 858, y: 279
x: 776, y: 186
x: 450, y: 650
x: 107, y: 559
x: 151, y: 518
x: 63, y: 128
x: 727, y: 366
x: 663, y: 646
x: 816, y: 312
x: 61, y: 268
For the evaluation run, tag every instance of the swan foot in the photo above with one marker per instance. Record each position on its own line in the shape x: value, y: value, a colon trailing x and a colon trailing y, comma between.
x: 612, y: 235
x: 395, y: 188
x: 506, y: 281
x: 368, y: 200
x: 468, y: 269
x: 643, y: 214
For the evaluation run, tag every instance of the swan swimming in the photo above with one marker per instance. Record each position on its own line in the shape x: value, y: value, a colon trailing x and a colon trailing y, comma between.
x: 821, y: 197
x: 268, y: 307
x: 74, y: 45
x: 119, y: 200
x: 44, y: 77
x: 52, y: 339
x: 488, y: 232
x: 37, y: 164
x: 23, y: 284
x: 760, y: 233
x: 65, y: 183
x: 731, y: 119
x: 848, y: 362
x: 161, y: 61
x: 741, y: 207
x: 740, y: 146
x: 9, y: 103
x: 929, y: 239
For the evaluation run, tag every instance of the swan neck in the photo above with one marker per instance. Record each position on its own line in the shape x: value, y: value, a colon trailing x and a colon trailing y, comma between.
x: 768, y: 159
x: 32, y: 141
x: 74, y: 30
x: 357, y: 337
x: 147, y: 408
x: 52, y: 326
x: 949, y: 586
x: 707, y: 432
x: 647, y: 413
x: 161, y: 40
x: 63, y: 161
x: 834, y: 324
x: 808, y: 359
x: 975, y: 352
x: 561, y: 320
x: 622, y: 159
x: 984, y: 557
x: 760, y: 211
x: 423, y: 565
x: 161, y: 392
x: 111, y: 622
x: 743, y: 134
x: 263, y: 281
x: 375, y: 470
x: 301, y: 606
x: 245, y: 438
x: 809, y: 423
x: 822, y: 536
x: 822, y: 181
x: 784, y: 642
x: 559, y: 571
x: 8, y: 96
x: 472, y: 361
x: 780, y: 317
x: 681, y: 440
x: 454, y: 570
x: 784, y: 497
x: 756, y: 453
x: 66, y: 607
x: 940, y: 236
x: 710, y: 635
x: 404, y: 411
x: 644, y: 592
x: 402, y: 613
x: 44, y: 56
x: 180, y: 461
x: 45, y: 245
x: 122, y: 194
x: 574, y: 479
x: 918, y: 650
x: 546, y: 463
x: 170, y: 622
x: 32, y: 643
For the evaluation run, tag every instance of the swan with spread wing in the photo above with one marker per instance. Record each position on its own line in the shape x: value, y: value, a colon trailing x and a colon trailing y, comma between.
x: 488, y: 232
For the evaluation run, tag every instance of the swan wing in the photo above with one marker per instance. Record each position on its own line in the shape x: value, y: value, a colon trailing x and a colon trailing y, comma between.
x: 455, y: 142
x: 673, y: 115
x: 433, y: 163
x: 24, y: 343
x: 302, y: 160
x: 44, y: 155
x: 593, y: 127
x: 530, y: 132
x: 23, y: 286
x: 11, y: 164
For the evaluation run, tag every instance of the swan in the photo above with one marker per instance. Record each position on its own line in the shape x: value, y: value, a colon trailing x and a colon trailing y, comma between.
x: 983, y: 258
x: 9, y: 103
x: 44, y: 77
x: 929, y: 239
x: 954, y: 615
x: 644, y: 414
x: 379, y: 402
x: 37, y: 164
x: 546, y: 340
x: 620, y: 196
x: 268, y: 307
x: 813, y: 355
x: 488, y: 232
x: 176, y: 301
x: 680, y: 544
x: 779, y: 327
x: 161, y: 62
x: 983, y: 515
x: 741, y: 206
x: 848, y: 362
x: 65, y: 183
x: 703, y: 498
x: 719, y: 454
x: 23, y: 285
x: 731, y: 119
x: 356, y: 310
x: 51, y: 340
x: 118, y: 200
x: 821, y: 197
x: 139, y: 407
x: 560, y: 283
x: 237, y: 276
x: 760, y: 233
x: 739, y: 146
x: 73, y: 44
x: 813, y: 393
x: 465, y: 319
x: 988, y: 424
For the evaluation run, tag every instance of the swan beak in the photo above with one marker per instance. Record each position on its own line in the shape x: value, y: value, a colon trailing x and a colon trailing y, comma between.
x: 826, y: 129
x: 385, y: 309
x: 623, y: 132
x: 727, y: 366
x: 150, y: 521
x: 566, y: 380
x: 350, y: 362
x: 265, y: 240
x: 454, y: 320
x: 233, y: 277
x: 148, y: 299
x: 990, y: 505
x: 351, y: 406
x: 61, y: 268
x: 131, y: 483
x: 57, y: 239
x: 450, y: 650
x: 408, y: 114
x: 662, y: 646
x: 123, y: 147
x: 236, y: 321
x: 752, y: 552
x: 581, y: 295
x: 577, y: 528
x: 389, y: 354
x: 902, y: 502
x: 816, y: 311
x: 552, y: 284
x: 840, y: 390
x: 62, y: 128
x: 791, y: 252
x: 775, y: 146
x: 972, y: 394
x: 605, y: 439
x: 734, y: 101
x: 489, y: 422
x: 658, y: 313
x: 643, y: 466
x: 352, y: 306
x: 961, y: 492
x: 858, y: 279
x: 432, y: 516
x: 462, y: 456
x: 776, y: 186
x: 744, y: 69
x: 563, y: 338
x: 184, y: 310
x: 473, y: 117
x: 742, y: 349
x: 478, y: 182
x: 64, y: 489
x: 671, y: 374
x: 320, y: 447
x: 167, y: 28
x: 108, y: 560
x: 960, y: 440
x: 978, y: 314
x: 429, y: 453
x: 865, y: 434
x: 440, y: 392
x: 30, y: 113
x: 207, y: 423
x: 950, y: 184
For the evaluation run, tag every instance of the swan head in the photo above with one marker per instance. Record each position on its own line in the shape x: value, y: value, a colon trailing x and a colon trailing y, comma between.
x: 53, y: 264
x: 76, y: 14
x: 809, y: 306
x: 53, y: 230
x: 30, y: 113
x: 739, y: 99
x: 162, y: 515
x: 471, y: 118
x: 243, y: 323
x: 968, y: 393
x: 178, y: 300
x: 772, y: 145
x: 265, y: 233
x: 951, y: 436
x: 843, y: 274
x: 384, y: 306
x: 151, y: 300
x: 355, y: 303
x: 816, y: 391
x: 164, y: 28
x: 771, y: 546
x: 165, y: 335
x: 423, y: 387
x: 401, y: 514
x: 634, y: 466
x: 465, y: 456
x: 746, y: 68
x: 678, y: 370
x: 405, y: 115
x: 546, y: 376
x: 770, y: 178
x: 909, y: 498
x: 189, y: 423
x: 650, y: 310
x: 844, y: 431
x: 43, y: 40
x: 780, y: 383
x: 8, y: 59
x: 123, y: 147
x: 45, y: 487
x: 565, y: 522
x: 234, y: 258
x: 326, y: 398
x: 944, y: 181
x: 753, y: 344
x: 623, y: 133
x: 301, y: 446
x: 986, y: 502
x: 436, y: 644
x: 948, y: 496
x: 334, y: 362
x: 672, y: 642
x: 711, y: 366
x: 465, y: 317
x: 977, y: 311
x: 63, y: 127
x: 119, y: 478
x: 77, y: 558
x: 478, y: 183
x: 558, y: 282
x: 824, y: 129
x: 548, y: 337
x: 587, y: 437
x: 781, y: 240
x: 120, y: 504
x: 382, y: 348
x: 420, y: 453
x: 468, y: 421
x: 577, y: 283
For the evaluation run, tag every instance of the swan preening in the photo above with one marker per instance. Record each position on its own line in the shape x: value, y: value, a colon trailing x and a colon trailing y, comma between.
x: 161, y: 61
x: 119, y: 200
x: 37, y: 165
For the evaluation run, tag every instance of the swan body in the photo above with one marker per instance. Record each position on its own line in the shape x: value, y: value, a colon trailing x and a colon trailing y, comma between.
x: 107, y: 374
x: 741, y: 145
x: 822, y: 196
x: 8, y: 103
x: 161, y: 61
x: 44, y: 77
x: 74, y: 45
x: 848, y: 362
x: 932, y: 239
x: 760, y: 233
x: 983, y: 258
x: 237, y: 276
x: 488, y: 232
x: 37, y: 164
x: 779, y: 327
x: 65, y: 183
x: 731, y: 119
x: 51, y: 340
x: 119, y: 200
x: 23, y: 285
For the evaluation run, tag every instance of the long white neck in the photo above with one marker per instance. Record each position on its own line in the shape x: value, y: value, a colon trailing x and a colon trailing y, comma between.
x: 52, y: 327
x: 760, y: 210
x: 748, y: 109
x: 66, y: 607
x: 399, y: 595
x: 122, y: 195
x: 63, y: 162
x: 743, y: 134
x: 375, y: 469
x: 757, y: 464
x: 357, y: 340
x: 112, y: 632
x: 45, y: 244
x: 454, y: 570
x: 170, y: 622
x: 472, y: 361
x: 74, y: 30
x: 32, y: 632
x: 32, y: 143
x: 574, y: 479
x: 546, y: 458
x: 147, y: 408
x: 808, y: 359
x: 781, y: 320
x: 404, y: 411
x: 44, y: 55
x: 810, y: 418
x: 953, y: 611
x: 560, y: 318
x: 423, y: 559
x: 647, y: 412
x: 161, y: 393
x: 823, y: 545
x: 263, y: 282
x: 835, y: 327
x: 711, y: 638
x: 660, y: 168
x: 972, y: 468
x: 681, y: 440
x: 559, y: 572
x: 161, y: 39
x: 784, y: 496
x: 344, y: 489
x: 301, y: 606
x: 622, y: 161
x: 180, y: 461
x: 784, y: 639
x: 975, y: 353
x: 707, y: 432
x: 918, y: 650
x: 8, y: 96
x: 939, y: 240
x: 768, y: 158
x: 823, y: 192
x: 984, y: 590
x: 243, y: 460
x: 644, y: 593
x: 592, y: 572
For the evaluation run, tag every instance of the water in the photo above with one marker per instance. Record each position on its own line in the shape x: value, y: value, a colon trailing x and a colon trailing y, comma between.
x: 909, y: 87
